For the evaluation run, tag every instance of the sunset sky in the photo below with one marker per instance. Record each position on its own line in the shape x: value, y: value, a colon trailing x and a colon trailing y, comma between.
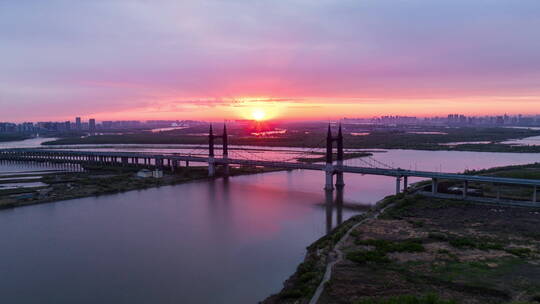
x: 293, y: 59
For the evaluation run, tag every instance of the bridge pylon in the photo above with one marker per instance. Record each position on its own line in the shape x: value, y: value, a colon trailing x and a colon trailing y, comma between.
x: 340, y: 156
x: 225, y: 142
x: 211, y: 156
x: 330, y: 169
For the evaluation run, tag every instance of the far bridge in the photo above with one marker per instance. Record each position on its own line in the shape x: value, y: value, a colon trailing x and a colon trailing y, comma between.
x: 330, y: 168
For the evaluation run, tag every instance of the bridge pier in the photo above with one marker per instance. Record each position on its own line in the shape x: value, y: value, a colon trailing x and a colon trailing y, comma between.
x: 405, y: 183
x: 398, y: 185
x: 340, y: 181
x: 226, y: 170
x: 465, y: 189
x: 534, y: 194
x: 339, y: 205
x: 328, y: 197
x: 211, y: 167
x: 158, y: 162
x: 329, y: 181
x: 434, y: 185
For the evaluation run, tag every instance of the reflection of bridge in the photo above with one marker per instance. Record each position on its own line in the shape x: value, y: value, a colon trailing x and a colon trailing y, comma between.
x: 331, y: 169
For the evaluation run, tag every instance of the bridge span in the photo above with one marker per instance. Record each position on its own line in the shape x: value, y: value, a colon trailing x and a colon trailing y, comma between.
x: 331, y: 169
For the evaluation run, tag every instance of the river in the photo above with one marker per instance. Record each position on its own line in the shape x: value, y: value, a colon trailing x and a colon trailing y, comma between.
x: 216, y: 241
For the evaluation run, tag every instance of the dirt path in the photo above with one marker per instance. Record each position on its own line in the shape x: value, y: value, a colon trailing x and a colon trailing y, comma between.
x: 337, y: 253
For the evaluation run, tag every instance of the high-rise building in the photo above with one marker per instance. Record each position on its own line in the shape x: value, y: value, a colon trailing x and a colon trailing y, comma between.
x: 78, y: 124
x: 92, y: 125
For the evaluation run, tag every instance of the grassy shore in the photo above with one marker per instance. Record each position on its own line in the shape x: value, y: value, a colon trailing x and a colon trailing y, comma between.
x: 13, y: 137
x: 428, y: 250
x: 425, y: 250
x: 100, y: 181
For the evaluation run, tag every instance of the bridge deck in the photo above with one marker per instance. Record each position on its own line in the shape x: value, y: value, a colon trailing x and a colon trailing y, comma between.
x: 43, y: 153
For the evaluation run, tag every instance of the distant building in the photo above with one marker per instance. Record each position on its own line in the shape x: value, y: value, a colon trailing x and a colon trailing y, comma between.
x: 107, y: 125
x: 78, y: 123
x: 394, y: 120
x: 144, y: 173
x: 157, y: 173
x: 92, y: 125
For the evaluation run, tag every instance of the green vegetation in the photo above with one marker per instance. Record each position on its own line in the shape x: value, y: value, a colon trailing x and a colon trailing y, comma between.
x: 529, y: 171
x: 14, y: 137
x: 466, y: 242
x: 298, y: 137
x: 328, y: 241
x: 462, y: 242
x: 392, y: 139
x: 102, y: 180
x: 482, y: 273
x: 28, y: 180
x: 309, y: 277
x: 502, y: 191
x: 405, y: 204
x: 134, y: 138
x: 520, y: 252
x: 382, y: 247
x: 385, y: 246
x: 303, y: 283
x: 408, y: 299
x: 364, y: 256
x: 470, y: 253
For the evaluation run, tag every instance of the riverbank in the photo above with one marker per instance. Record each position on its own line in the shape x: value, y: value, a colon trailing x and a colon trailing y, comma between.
x: 96, y: 181
x: 13, y: 137
x: 461, y: 252
x: 426, y: 250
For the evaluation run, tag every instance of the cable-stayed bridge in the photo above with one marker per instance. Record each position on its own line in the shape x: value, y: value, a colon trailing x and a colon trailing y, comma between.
x: 245, y: 157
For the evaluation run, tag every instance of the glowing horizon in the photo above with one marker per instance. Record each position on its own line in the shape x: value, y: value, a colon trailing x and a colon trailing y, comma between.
x: 292, y: 60
x: 285, y: 111
x: 244, y: 108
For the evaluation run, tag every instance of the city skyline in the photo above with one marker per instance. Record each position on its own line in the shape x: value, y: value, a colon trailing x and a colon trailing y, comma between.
x: 91, y: 124
x: 302, y: 60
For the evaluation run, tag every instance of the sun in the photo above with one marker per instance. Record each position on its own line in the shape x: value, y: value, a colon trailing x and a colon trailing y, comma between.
x: 258, y: 114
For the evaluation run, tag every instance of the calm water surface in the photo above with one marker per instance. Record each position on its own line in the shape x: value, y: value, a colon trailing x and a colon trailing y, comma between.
x: 529, y: 141
x: 203, y: 242
x: 27, y: 143
x: 221, y: 241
